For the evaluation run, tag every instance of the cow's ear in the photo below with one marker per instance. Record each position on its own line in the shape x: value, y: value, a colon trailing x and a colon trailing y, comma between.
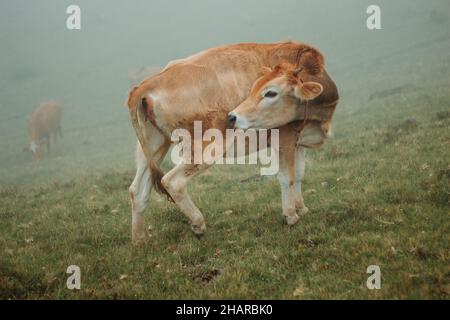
x: 308, y: 90
x: 313, y: 61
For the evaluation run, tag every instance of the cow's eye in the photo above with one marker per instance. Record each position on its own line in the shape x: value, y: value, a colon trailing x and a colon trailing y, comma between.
x: 270, y: 94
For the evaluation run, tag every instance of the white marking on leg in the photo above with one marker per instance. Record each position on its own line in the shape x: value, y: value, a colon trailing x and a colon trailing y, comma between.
x: 139, y: 193
x: 288, y: 196
x: 300, y: 164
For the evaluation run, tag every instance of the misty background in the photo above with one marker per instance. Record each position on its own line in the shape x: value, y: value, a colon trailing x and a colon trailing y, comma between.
x: 87, y: 70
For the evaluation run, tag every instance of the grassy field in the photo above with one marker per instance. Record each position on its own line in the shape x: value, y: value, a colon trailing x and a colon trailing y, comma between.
x: 378, y: 194
x: 378, y: 190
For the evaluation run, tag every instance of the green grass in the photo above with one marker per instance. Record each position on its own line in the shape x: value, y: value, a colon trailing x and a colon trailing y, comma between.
x: 380, y: 196
x: 378, y: 193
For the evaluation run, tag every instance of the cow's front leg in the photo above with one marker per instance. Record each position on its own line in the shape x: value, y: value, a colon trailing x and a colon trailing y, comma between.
x: 300, y: 173
x: 175, y: 182
x: 287, y: 179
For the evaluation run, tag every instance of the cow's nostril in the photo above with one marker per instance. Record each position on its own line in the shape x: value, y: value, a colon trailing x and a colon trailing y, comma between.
x: 231, y: 118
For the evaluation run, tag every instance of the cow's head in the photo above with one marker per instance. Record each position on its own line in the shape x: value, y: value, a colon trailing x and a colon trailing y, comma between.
x: 274, y: 98
x: 34, y: 148
x: 34, y: 145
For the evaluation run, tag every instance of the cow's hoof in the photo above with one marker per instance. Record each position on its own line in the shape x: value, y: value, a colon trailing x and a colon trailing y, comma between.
x: 291, y: 220
x: 302, y: 211
x: 198, y: 230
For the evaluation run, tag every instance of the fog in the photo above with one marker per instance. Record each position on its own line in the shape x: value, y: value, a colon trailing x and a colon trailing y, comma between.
x: 87, y: 70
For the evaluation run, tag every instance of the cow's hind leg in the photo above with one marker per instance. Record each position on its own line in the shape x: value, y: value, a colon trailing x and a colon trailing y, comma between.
x: 139, y: 195
x: 300, y: 173
x: 175, y: 182
x: 141, y: 187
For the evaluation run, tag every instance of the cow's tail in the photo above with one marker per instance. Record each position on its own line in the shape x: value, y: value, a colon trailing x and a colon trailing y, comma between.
x: 136, y: 103
x: 156, y: 176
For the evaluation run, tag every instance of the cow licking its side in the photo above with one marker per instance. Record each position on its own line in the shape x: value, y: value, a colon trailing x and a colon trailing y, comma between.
x: 260, y: 86
x: 45, y: 123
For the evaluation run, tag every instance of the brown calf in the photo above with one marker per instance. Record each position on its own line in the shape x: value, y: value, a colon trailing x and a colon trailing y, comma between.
x: 44, y: 123
x: 206, y: 87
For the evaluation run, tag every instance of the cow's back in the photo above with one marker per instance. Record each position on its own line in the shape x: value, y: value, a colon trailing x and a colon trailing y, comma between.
x: 209, y: 84
x: 46, y: 118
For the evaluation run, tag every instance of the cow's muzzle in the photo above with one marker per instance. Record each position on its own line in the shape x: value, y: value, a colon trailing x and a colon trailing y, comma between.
x: 231, y: 120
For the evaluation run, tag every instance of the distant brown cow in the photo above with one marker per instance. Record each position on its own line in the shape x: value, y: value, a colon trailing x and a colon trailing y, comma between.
x: 45, y: 122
